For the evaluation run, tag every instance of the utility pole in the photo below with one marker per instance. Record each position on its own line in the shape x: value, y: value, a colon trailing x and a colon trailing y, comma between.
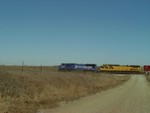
x: 41, y: 69
x: 22, y: 66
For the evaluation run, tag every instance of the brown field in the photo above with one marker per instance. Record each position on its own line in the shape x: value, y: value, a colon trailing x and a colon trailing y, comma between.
x: 33, y: 88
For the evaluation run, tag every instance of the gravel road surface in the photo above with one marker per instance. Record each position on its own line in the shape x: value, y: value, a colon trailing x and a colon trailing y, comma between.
x: 131, y: 97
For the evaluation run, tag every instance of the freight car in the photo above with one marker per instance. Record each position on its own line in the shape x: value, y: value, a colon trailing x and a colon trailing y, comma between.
x: 112, y: 68
x: 77, y: 67
x: 147, y: 69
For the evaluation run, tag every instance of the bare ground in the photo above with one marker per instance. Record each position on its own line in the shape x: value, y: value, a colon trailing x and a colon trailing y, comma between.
x: 132, y: 97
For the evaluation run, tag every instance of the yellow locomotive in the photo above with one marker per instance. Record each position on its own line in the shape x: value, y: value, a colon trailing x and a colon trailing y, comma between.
x: 112, y: 68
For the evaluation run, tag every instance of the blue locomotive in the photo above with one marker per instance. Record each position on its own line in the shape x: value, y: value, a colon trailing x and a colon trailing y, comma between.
x: 77, y: 67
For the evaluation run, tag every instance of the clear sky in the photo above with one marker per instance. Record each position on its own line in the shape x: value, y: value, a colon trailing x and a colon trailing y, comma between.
x: 50, y: 32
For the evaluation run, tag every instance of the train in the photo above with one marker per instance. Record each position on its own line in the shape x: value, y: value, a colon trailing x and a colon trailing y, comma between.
x: 146, y: 69
x: 77, y: 67
x: 105, y: 68
x: 111, y: 68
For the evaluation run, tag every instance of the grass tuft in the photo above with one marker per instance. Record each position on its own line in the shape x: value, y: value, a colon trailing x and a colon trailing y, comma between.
x: 148, y: 77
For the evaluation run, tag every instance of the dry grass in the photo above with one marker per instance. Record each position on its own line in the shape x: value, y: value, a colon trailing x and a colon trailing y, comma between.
x: 148, y: 77
x: 28, y: 91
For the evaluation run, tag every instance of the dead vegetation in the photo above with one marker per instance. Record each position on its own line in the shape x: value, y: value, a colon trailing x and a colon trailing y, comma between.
x: 30, y: 90
x: 148, y: 77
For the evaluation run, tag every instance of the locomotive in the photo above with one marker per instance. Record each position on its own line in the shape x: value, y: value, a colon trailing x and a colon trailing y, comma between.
x: 105, y: 68
x: 77, y: 67
x: 111, y: 68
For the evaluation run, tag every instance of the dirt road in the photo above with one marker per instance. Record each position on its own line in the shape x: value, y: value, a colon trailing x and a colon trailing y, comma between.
x: 131, y: 97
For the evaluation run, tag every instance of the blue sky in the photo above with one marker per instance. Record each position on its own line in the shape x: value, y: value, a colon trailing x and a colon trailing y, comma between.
x: 50, y: 32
